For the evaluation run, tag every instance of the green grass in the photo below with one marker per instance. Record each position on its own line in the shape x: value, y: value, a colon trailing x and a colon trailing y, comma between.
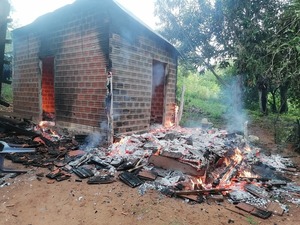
x: 282, y: 126
x: 7, y: 93
x: 205, y: 98
x: 202, y: 92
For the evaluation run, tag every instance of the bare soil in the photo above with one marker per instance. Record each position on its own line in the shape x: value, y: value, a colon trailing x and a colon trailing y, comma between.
x: 28, y: 201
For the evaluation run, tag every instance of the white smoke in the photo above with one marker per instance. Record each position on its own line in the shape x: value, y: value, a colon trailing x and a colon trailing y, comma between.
x: 235, y: 115
x: 92, y: 141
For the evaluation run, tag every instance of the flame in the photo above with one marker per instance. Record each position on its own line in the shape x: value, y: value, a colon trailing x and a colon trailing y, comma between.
x: 248, y: 174
x: 247, y: 148
x: 197, y: 183
x: 199, y: 180
x: 53, y: 132
x: 237, y: 157
x: 157, y: 152
x: 193, y: 184
x: 115, y: 150
x: 169, y: 124
x: 227, y: 161
x: 45, y: 124
x: 176, y: 109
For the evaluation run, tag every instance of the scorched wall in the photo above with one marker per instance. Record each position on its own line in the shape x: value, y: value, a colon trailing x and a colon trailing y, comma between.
x: 79, y: 45
x: 86, y: 41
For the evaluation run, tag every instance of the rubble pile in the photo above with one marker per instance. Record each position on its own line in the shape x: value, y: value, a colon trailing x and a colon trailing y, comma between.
x: 195, y: 164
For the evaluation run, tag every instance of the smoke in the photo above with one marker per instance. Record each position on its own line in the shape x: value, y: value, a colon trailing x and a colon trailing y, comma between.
x: 104, y: 126
x: 92, y: 141
x: 235, y: 114
x: 95, y: 139
x: 158, y: 73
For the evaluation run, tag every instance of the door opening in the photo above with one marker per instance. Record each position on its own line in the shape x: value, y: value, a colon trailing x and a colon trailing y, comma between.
x: 158, y: 91
x: 48, y: 100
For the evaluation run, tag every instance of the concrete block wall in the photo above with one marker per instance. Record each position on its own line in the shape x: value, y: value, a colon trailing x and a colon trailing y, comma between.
x: 157, y: 104
x: 80, y: 73
x: 132, y: 63
x: 26, y: 76
x: 79, y: 45
x: 85, y: 46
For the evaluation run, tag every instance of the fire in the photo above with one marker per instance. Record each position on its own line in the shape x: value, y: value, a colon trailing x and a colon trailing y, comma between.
x: 248, y: 174
x: 46, y: 124
x: 176, y: 109
x: 237, y: 157
x: 47, y: 130
x: 157, y: 152
x: 247, y: 148
x: 169, y: 124
x: 227, y: 161
x: 197, y: 183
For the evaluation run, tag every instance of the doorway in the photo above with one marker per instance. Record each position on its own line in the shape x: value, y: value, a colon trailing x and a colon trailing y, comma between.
x: 48, y: 99
x: 158, y: 91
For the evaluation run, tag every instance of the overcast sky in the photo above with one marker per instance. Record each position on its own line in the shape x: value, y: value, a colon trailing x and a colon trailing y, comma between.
x: 26, y: 11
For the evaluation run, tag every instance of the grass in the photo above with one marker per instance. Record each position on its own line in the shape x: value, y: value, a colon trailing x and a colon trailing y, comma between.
x: 7, y: 93
x: 203, y: 93
x: 283, y: 126
x: 204, y: 98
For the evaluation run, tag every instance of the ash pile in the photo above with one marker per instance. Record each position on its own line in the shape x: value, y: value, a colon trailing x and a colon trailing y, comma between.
x: 196, y: 164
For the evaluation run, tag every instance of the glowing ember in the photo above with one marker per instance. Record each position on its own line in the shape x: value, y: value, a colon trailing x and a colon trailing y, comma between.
x: 247, y: 149
x: 158, y: 152
x: 169, y: 124
x: 237, y: 157
x: 197, y: 183
x: 248, y: 174
x: 45, y: 124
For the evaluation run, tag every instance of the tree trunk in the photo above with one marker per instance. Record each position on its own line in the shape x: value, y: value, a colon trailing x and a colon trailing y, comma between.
x: 283, y: 97
x: 273, y: 103
x: 263, y: 95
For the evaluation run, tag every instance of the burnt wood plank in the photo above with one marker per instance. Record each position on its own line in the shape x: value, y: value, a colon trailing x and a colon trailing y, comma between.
x: 172, y: 164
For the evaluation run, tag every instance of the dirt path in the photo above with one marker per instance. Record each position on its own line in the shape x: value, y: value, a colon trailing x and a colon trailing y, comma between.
x: 28, y: 201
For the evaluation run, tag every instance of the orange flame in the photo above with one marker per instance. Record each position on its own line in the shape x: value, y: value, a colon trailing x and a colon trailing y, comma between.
x: 247, y: 148
x: 237, y: 157
x: 248, y: 174
x: 44, y: 124
x: 169, y: 124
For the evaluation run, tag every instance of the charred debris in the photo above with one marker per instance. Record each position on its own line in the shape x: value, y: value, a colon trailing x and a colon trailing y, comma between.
x: 196, y: 164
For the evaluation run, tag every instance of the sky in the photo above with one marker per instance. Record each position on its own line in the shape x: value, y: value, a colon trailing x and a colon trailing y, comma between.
x: 26, y: 11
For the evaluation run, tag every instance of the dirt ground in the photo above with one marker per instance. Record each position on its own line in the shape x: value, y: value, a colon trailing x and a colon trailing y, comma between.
x: 28, y: 201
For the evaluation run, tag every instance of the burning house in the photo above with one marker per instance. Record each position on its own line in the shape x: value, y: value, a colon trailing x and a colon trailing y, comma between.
x: 92, y: 63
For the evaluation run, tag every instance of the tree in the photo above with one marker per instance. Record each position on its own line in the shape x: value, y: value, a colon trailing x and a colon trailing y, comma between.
x: 284, y: 63
x: 228, y: 29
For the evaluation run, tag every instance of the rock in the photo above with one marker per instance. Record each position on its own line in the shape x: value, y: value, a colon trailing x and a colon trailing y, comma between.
x: 253, y: 138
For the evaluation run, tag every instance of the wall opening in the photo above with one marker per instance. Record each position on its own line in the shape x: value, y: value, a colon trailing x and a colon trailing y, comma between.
x: 48, y: 100
x: 158, y: 90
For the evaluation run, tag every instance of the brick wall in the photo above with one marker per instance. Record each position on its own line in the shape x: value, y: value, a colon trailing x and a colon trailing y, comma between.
x: 132, y: 63
x: 157, y: 104
x: 26, y: 79
x: 85, y: 46
x: 79, y: 45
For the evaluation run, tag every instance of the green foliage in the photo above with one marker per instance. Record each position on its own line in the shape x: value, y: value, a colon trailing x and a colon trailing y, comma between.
x: 202, y: 95
x: 261, y: 36
x: 283, y: 63
x: 282, y: 126
x: 7, y: 94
